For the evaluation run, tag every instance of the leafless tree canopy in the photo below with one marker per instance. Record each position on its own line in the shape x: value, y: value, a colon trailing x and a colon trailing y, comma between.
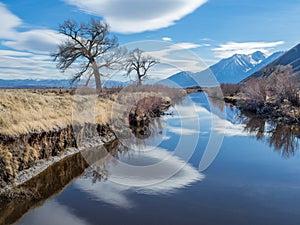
x: 279, y: 89
x: 284, y: 84
x: 91, y: 45
x: 139, y: 63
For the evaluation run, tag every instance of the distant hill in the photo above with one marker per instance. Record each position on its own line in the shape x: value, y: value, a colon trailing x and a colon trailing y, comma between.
x: 229, y: 70
x: 181, y: 79
x: 291, y: 57
x: 40, y: 83
x: 115, y: 83
x: 31, y: 83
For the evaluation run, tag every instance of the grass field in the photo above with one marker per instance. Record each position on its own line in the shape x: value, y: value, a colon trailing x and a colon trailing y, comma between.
x: 34, y: 110
x: 25, y: 110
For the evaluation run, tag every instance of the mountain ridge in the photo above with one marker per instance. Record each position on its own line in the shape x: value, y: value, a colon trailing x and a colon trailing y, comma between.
x: 234, y: 69
x: 229, y: 70
x: 291, y: 57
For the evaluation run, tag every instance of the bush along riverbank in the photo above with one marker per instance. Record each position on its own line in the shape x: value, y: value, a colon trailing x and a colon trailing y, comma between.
x: 39, y: 128
x: 274, y: 97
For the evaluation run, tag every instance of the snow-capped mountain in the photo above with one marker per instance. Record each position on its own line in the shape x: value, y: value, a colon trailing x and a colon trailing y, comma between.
x: 264, y: 63
x: 236, y: 67
x: 229, y: 70
x: 291, y: 57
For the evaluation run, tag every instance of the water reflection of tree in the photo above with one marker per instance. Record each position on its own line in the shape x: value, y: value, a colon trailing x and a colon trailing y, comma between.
x: 285, y: 139
x: 282, y: 137
x: 99, y: 170
x: 217, y: 102
x: 257, y: 126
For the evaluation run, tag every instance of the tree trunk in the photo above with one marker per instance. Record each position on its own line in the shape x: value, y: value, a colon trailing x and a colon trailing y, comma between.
x: 139, y: 81
x: 97, y: 77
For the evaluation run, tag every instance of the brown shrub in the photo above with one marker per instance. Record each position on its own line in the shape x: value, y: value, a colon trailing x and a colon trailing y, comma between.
x: 230, y: 89
x: 283, y: 84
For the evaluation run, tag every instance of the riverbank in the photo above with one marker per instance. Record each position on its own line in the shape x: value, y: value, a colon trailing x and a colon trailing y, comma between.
x: 51, y: 181
x: 39, y: 128
x: 282, y: 113
x: 276, y: 97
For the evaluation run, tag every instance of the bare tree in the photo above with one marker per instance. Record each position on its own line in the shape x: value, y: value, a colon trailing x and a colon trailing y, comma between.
x: 284, y: 84
x: 140, y: 63
x: 89, y: 44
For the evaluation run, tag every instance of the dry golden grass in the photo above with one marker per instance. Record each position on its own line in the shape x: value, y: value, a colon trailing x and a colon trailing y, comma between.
x: 23, y: 111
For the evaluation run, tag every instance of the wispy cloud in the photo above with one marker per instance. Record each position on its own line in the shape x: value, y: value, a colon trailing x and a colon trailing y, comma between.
x: 28, y: 54
x: 24, y: 65
x: 188, y: 45
x: 167, y: 39
x: 63, y: 215
x: 8, y: 22
x: 157, y: 176
x: 230, y: 48
x: 38, y: 41
x: 174, y: 58
x: 134, y: 16
x: 32, y: 40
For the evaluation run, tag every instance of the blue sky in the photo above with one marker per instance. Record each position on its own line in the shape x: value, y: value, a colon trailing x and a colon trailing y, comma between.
x: 204, y: 31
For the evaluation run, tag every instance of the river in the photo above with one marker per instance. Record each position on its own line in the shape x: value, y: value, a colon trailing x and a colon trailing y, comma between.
x: 205, y: 164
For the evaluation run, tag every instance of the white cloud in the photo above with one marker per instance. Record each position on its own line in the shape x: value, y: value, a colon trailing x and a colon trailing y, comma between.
x: 8, y: 22
x: 63, y: 215
x: 173, y: 57
x: 183, y: 131
x: 167, y: 39
x: 28, y: 56
x: 206, y: 39
x: 34, y: 40
x: 163, y: 173
x: 38, y: 41
x: 133, y: 16
x: 188, y: 45
x: 32, y: 47
x: 25, y: 65
x: 230, y: 48
x: 14, y: 53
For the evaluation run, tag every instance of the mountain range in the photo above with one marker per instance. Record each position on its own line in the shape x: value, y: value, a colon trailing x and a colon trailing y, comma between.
x: 237, y: 68
x: 31, y: 83
x: 230, y: 70
x: 291, y: 57
x: 40, y: 83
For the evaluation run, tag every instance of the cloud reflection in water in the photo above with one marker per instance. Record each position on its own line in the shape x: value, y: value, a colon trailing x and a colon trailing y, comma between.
x: 112, y: 192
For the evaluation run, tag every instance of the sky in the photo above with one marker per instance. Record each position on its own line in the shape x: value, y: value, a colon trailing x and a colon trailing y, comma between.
x: 183, y: 34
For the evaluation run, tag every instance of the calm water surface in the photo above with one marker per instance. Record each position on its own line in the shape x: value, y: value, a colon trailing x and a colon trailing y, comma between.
x: 254, y: 178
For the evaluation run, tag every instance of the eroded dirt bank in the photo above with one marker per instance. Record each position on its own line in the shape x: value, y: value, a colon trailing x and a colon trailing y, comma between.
x: 39, y: 128
x: 51, y: 181
x: 20, y: 153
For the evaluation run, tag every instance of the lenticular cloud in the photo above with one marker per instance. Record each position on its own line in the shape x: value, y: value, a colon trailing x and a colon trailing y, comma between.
x: 133, y: 16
